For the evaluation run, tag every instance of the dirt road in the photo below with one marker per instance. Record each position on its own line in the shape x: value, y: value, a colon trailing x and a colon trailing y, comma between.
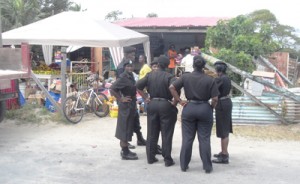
x: 88, y: 153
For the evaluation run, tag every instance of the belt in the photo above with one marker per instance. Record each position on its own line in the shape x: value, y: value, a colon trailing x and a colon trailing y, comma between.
x: 224, y: 97
x: 159, y: 99
x: 197, y: 101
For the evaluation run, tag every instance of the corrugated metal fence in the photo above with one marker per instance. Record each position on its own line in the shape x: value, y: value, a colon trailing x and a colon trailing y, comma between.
x: 246, y: 111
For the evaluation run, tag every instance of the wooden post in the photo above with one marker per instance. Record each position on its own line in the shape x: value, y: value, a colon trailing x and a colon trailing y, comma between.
x: 98, y: 59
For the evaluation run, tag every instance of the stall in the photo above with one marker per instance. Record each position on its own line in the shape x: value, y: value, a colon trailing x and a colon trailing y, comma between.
x: 76, y: 29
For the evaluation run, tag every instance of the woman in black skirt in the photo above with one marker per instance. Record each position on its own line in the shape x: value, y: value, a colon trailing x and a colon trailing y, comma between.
x: 223, y: 112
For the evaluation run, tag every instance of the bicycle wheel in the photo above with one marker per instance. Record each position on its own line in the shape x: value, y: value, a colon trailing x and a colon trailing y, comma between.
x: 101, y: 109
x: 72, y: 112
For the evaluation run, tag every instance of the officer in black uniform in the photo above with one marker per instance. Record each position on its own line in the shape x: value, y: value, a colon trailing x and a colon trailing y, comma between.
x: 197, y: 114
x: 129, y: 55
x: 124, y: 90
x: 162, y: 112
x: 223, y: 112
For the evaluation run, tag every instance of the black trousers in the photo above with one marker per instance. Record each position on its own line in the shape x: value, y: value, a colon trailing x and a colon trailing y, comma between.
x: 161, y: 117
x: 137, y: 124
x: 196, y: 118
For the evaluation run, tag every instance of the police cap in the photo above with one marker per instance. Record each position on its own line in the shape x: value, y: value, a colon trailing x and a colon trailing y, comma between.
x: 163, y: 61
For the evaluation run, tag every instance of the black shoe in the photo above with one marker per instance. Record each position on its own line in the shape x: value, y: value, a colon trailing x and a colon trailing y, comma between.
x: 218, y: 155
x: 184, y: 169
x: 159, y: 150
x: 207, y: 171
x: 141, y: 142
x: 129, y: 156
x: 169, y: 163
x: 131, y: 146
x: 153, y: 161
x: 140, y: 139
x: 222, y: 159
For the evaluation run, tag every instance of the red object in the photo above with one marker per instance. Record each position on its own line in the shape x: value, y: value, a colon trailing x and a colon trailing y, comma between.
x: 11, y: 103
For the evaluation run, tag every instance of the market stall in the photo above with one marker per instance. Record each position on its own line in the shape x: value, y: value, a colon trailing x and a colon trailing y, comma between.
x: 77, y: 29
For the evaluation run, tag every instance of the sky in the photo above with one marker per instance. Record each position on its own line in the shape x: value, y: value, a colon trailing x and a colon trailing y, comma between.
x: 287, y: 11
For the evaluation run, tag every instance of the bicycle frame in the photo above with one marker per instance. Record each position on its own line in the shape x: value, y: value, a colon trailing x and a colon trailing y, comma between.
x: 91, y: 92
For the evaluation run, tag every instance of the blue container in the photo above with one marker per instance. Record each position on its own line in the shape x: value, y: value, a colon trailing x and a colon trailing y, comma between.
x: 48, y: 104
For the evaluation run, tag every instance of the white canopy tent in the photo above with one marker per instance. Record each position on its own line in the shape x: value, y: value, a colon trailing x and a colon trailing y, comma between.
x: 77, y: 29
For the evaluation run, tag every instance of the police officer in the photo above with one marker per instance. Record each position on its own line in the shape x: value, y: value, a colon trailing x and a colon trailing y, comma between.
x: 125, y: 92
x: 129, y: 55
x: 223, y: 112
x: 197, y: 114
x: 162, y: 112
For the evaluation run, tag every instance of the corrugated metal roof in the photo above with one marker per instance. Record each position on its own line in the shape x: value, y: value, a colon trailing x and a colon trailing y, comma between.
x: 170, y: 22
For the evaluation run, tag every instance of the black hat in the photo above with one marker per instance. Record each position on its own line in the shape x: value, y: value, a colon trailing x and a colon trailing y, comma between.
x: 129, y: 62
x: 163, y: 61
x: 129, y: 49
x: 220, y: 63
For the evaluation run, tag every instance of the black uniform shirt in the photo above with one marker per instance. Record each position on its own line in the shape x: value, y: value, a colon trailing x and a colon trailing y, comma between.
x: 197, y: 86
x: 125, y: 84
x: 157, y: 84
x: 224, y: 85
x: 120, y: 67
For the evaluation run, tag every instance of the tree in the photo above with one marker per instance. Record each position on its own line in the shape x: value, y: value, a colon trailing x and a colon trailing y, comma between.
x: 113, y: 15
x: 152, y: 15
x: 53, y: 7
x: 16, y: 13
x: 241, y: 39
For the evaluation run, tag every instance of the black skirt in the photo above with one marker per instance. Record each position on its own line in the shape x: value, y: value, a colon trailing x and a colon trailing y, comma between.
x: 125, y: 122
x: 224, y: 118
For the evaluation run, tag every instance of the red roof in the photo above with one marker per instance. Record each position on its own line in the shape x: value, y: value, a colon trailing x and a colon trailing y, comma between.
x: 170, y: 22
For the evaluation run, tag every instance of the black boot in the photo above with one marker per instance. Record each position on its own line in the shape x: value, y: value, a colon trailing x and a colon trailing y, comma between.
x: 140, y: 139
x: 126, y: 154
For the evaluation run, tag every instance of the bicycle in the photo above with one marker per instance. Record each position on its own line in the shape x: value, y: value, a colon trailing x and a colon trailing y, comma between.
x: 75, y: 106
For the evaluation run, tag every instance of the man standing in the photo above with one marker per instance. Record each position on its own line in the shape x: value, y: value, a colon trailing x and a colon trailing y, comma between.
x: 125, y: 92
x: 162, y: 113
x: 223, y: 112
x: 129, y: 55
x: 188, y: 61
x: 172, y: 54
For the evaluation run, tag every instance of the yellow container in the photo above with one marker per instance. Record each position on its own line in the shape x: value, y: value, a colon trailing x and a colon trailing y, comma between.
x: 113, y: 112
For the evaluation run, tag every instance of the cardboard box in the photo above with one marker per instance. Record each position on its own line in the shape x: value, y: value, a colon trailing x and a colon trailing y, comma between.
x: 29, y: 91
x: 36, y: 99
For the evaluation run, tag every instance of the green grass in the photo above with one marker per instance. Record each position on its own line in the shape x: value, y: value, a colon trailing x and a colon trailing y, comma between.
x: 35, y: 114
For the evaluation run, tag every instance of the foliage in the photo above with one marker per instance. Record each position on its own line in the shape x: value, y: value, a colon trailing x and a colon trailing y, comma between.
x: 244, y: 37
x: 152, y: 15
x: 113, y: 15
x: 16, y: 13
x: 31, y: 113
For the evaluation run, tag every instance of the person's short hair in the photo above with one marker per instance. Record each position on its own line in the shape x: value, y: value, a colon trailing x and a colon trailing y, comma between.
x: 128, y: 50
x: 153, y: 63
x: 220, y: 66
x: 163, y: 61
x: 129, y: 62
x: 199, y: 62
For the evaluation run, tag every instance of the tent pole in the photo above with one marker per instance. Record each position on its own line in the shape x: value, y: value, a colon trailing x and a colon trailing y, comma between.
x: 63, y: 70
x: 1, y: 45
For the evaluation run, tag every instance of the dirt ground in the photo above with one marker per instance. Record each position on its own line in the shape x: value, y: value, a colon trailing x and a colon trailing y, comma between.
x: 88, y: 153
